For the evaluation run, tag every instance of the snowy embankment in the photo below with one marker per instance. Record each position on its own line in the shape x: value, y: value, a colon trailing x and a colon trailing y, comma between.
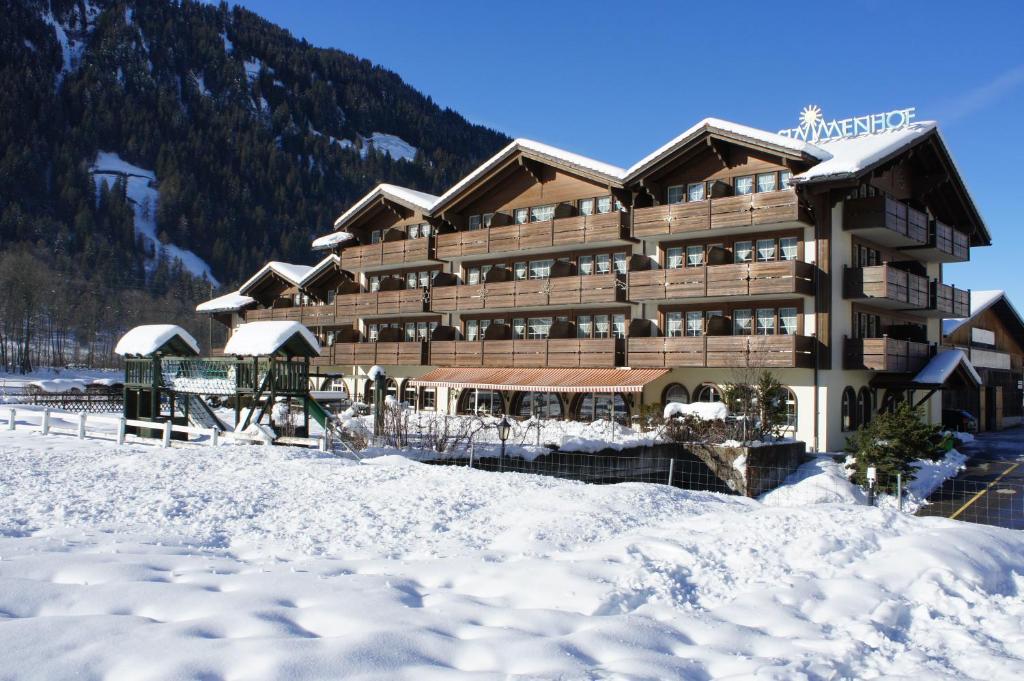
x: 264, y: 563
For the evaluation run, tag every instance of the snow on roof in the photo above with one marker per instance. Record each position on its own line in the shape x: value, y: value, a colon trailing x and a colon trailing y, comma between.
x: 420, y: 200
x: 942, y: 365
x: 150, y: 338
x: 229, y: 302
x: 292, y: 273
x: 852, y: 155
x: 266, y: 338
x: 331, y: 240
x: 708, y: 411
x: 316, y: 269
x: 553, y: 153
x: 980, y: 301
x: 736, y: 129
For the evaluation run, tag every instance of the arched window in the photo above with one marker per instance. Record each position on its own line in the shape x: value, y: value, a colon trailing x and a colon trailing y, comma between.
x: 849, y: 409
x: 788, y: 398
x: 482, y: 402
x: 390, y: 388
x: 708, y: 392
x: 676, y: 392
x: 865, y: 405
x: 543, y: 405
x: 600, y: 407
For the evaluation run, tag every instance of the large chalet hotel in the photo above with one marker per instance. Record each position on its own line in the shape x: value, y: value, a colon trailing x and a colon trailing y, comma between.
x: 548, y: 283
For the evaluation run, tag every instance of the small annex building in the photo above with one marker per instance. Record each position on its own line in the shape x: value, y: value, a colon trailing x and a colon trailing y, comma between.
x: 992, y: 338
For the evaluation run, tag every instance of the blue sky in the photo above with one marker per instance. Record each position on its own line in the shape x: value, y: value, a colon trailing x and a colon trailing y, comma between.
x: 616, y: 80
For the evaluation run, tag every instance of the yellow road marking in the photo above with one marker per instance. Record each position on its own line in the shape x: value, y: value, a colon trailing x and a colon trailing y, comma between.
x: 987, y: 488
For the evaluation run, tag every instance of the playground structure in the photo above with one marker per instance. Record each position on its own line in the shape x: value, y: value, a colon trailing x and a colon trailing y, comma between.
x: 266, y: 364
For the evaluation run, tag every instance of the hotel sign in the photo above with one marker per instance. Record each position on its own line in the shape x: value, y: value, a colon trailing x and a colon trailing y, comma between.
x: 814, y: 128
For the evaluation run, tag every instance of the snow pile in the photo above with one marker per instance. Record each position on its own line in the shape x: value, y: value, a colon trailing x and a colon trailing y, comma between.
x: 143, y: 195
x: 60, y: 385
x: 392, y: 145
x: 331, y: 240
x: 376, y: 372
x: 257, y: 339
x: 264, y: 562
x: 708, y: 411
x: 229, y: 302
x: 149, y: 338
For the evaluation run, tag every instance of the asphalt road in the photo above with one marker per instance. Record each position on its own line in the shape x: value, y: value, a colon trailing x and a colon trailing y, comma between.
x: 990, y: 490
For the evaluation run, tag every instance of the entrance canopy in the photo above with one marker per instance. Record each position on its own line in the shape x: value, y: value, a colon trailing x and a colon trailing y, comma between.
x: 944, y: 367
x: 542, y: 380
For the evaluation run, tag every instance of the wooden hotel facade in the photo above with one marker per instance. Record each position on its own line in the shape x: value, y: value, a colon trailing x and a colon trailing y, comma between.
x: 546, y: 282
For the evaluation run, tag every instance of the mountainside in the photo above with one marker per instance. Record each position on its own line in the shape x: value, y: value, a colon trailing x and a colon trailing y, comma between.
x: 249, y: 140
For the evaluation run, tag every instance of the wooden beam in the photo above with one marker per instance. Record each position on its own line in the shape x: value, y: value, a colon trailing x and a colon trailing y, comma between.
x: 722, y: 154
x: 534, y: 168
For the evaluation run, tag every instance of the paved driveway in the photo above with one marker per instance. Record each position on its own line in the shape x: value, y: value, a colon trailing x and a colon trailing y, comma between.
x: 990, y: 490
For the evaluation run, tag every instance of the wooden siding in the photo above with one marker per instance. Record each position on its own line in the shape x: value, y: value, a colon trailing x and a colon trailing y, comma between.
x: 885, y: 354
x: 552, y: 352
x: 595, y: 288
x: 400, y: 252
x: 761, y: 278
x: 411, y: 353
x: 721, y: 351
x: 751, y: 210
x: 569, y: 231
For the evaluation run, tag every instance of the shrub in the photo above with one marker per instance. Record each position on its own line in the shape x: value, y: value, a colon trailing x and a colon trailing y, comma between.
x: 892, y: 442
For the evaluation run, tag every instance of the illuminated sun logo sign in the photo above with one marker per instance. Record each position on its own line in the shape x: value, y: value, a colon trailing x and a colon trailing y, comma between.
x: 814, y: 128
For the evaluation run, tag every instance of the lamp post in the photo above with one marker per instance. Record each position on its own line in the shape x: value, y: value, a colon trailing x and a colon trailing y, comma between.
x: 504, y: 428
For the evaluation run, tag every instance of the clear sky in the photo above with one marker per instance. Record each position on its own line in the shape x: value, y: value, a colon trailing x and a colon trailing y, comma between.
x: 614, y: 80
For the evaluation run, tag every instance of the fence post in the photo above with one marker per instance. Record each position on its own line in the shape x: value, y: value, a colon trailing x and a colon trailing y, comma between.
x: 323, y: 443
x: 81, y: 426
x: 899, y: 491
x: 671, y: 467
x: 122, y: 428
x: 11, y: 417
x: 472, y: 446
x: 214, y: 436
x: 167, y: 433
x: 46, y: 421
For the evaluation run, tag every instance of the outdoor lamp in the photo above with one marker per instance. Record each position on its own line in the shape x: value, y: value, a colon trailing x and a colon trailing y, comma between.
x: 504, y: 428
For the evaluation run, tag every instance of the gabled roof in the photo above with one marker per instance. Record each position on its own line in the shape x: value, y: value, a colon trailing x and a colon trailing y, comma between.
x: 981, y: 301
x: 320, y: 268
x: 229, y: 302
x: 742, y: 134
x: 559, y: 158
x: 261, y: 339
x: 293, y: 274
x: 151, y: 339
x: 410, y: 198
x: 940, y: 367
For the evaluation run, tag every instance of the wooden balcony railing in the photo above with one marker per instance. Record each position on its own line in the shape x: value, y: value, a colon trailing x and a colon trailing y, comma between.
x: 721, y: 351
x: 382, y: 303
x: 552, y: 352
x: 885, y: 354
x: 570, y: 231
x: 752, y: 210
x: 950, y: 301
x: 743, y: 279
x: 401, y: 252
x: 945, y: 244
x: 596, y: 288
x: 291, y: 314
x: 887, y: 286
x: 885, y: 220
x: 411, y: 353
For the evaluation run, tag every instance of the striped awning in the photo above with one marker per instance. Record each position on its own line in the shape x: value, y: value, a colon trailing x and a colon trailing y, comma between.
x: 542, y: 380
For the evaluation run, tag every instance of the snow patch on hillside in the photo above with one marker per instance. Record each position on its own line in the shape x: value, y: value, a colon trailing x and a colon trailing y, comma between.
x: 343, y: 143
x: 392, y: 145
x: 143, y: 195
x: 72, y: 34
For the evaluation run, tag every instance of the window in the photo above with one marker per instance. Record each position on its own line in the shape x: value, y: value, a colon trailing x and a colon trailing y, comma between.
x: 865, y: 405
x: 473, y: 401
x: 866, y: 325
x: 331, y: 296
x: 708, y: 393
x: 374, y: 284
x: 538, y: 327
x: 519, y: 271
x: 767, y: 182
x: 520, y: 215
x: 787, y: 321
x: 485, y: 324
x: 425, y: 279
x: 542, y: 405
x: 586, y: 206
x: 866, y: 256
x: 484, y: 269
x: 694, y: 324
x: 375, y: 236
x: 765, y: 322
x: 473, y: 275
x: 619, y: 261
x: 474, y: 223
x: 674, y: 324
x: 472, y: 329
x: 785, y: 179
x: 849, y: 411
x: 602, y: 328
x: 788, y: 399
x: 409, y: 394
x: 743, y: 185
x: 372, y: 331
x: 410, y: 280
x: 542, y: 213
x: 741, y: 322
x: 586, y: 264
x: 743, y: 251
x: 604, y: 263
x: 765, y: 250
x: 788, y: 247
x: 618, y: 326
x: 410, y: 331
x: 518, y: 328
x: 604, y: 204
x: 584, y: 326
x: 602, y: 408
x: 540, y: 269
x: 422, y: 331
x: 696, y: 191
x: 694, y: 256
x: 428, y: 399
x: 673, y: 258
x: 676, y: 393
x: 487, y: 218
x: 676, y: 194
x: 414, y: 231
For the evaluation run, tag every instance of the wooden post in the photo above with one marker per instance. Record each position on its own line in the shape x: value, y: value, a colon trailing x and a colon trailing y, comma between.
x: 214, y: 436
x: 167, y: 433
x: 122, y: 428
x: 11, y: 416
x: 81, y: 426
x: 46, y: 421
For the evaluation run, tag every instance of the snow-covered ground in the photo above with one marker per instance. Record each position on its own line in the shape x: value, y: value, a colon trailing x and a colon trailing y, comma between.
x: 392, y: 145
x: 268, y: 562
x: 143, y: 195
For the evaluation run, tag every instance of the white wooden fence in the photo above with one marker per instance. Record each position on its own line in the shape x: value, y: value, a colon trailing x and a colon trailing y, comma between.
x: 85, y: 428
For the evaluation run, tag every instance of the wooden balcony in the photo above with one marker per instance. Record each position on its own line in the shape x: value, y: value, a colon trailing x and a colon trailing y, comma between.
x: 531, y: 293
x: 885, y: 354
x: 743, y: 279
x: 945, y: 244
x: 779, y: 352
x: 552, y: 352
x: 886, y: 221
x: 381, y: 303
x: 778, y: 209
x: 412, y: 353
x: 949, y: 301
x: 590, y: 230
x: 886, y: 286
x: 290, y: 314
x: 403, y: 252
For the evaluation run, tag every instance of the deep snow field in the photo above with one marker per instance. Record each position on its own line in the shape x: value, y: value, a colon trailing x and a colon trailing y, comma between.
x: 275, y: 563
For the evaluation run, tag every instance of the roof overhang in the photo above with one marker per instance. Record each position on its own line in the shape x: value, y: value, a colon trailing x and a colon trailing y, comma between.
x: 542, y: 380
x: 290, y: 274
x: 382, y: 195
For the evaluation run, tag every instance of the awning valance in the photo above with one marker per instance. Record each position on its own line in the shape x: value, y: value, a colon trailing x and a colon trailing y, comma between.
x: 542, y: 380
